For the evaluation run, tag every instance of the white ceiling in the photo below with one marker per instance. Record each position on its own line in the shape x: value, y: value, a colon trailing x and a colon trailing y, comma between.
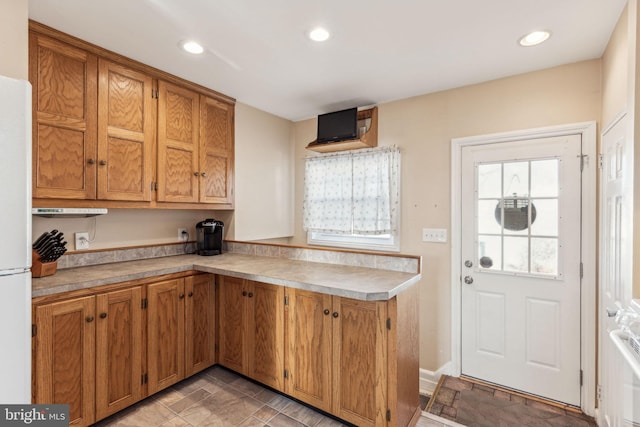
x: 379, y: 51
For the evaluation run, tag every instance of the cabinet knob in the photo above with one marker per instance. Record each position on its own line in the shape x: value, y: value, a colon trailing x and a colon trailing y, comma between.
x: 181, y: 296
x: 103, y: 315
x: 190, y: 294
x: 196, y: 174
x: 326, y: 312
x: 335, y: 314
x: 89, y: 319
x: 91, y: 161
x: 244, y: 293
x: 204, y: 174
x: 250, y: 294
x: 103, y: 162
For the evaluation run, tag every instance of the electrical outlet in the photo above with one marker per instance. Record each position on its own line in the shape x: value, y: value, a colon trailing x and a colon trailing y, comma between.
x: 182, y: 234
x: 438, y: 235
x: 82, y: 241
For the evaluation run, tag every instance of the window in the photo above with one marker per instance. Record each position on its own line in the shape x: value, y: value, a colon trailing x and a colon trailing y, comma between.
x: 352, y: 199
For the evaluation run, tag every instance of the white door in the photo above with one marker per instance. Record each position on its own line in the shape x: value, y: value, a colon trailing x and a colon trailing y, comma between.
x: 616, y: 219
x: 520, y: 278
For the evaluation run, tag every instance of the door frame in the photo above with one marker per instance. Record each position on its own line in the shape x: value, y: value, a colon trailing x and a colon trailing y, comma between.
x: 588, y: 309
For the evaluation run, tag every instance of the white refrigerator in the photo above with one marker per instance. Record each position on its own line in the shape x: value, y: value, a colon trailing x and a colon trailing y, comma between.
x: 15, y: 245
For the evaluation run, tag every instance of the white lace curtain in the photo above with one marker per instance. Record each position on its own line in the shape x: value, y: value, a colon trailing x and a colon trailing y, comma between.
x: 353, y: 192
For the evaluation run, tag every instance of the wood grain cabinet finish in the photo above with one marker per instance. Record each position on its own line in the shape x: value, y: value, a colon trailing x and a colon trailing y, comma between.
x: 119, y: 332
x: 64, y: 94
x: 200, y: 331
x: 126, y: 133
x: 165, y: 334
x: 251, y: 329
x: 355, y: 359
x: 64, y: 352
x: 112, y: 132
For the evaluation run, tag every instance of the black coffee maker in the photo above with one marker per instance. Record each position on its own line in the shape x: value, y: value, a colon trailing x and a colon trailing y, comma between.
x: 209, y: 234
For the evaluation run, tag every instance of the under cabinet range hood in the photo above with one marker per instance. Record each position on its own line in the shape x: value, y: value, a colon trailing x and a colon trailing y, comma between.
x: 68, y: 212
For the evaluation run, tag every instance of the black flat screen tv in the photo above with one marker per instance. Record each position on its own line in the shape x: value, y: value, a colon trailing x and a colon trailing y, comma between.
x: 338, y: 126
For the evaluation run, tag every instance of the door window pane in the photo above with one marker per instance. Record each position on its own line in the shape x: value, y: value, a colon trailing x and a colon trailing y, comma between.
x: 544, y: 256
x: 546, y: 223
x: 489, y: 180
x: 490, y: 252
x: 487, y: 223
x: 544, y: 178
x: 516, y: 179
x: 516, y: 254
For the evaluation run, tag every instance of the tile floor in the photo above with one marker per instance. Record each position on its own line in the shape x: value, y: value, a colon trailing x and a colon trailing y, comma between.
x: 218, y: 397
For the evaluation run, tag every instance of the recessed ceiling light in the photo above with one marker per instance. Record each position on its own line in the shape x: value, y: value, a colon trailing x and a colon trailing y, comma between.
x: 534, y: 38
x: 319, y: 34
x: 192, y: 47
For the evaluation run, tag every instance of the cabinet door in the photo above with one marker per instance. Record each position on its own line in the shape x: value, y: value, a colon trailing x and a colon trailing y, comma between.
x: 360, y: 361
x: 216, y: 151
x: 309, y: 331
x: 178, y: 167
x: 200, y: 323
x: 165, y: 334
x: 266, y: 333
x: 232, y: 350
x: 65, y: 357
x: 64, y: 81
x: 118, y: 350
x: 126, y: 133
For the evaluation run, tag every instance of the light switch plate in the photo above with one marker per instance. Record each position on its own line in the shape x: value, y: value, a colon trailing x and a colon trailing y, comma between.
x: 437, y: 235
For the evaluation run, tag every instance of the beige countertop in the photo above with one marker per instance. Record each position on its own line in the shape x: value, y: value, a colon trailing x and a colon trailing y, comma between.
x: 346, y: 281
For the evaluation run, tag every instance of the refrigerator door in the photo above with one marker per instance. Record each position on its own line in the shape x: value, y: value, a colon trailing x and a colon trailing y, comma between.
x: 15, y: 174
x: 15, y: 336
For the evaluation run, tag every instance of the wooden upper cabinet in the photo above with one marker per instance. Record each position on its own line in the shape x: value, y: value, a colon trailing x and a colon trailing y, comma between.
x: 126, y: 133
x: 65, y: 357
x: 178, y: 166
x: 216, y: 151
x: 64, y: 81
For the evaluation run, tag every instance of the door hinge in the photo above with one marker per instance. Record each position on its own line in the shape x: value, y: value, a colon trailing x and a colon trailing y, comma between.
x: 34, y: 329
x: 600, y: 161
x: 583, y: 159
x: 388, y: 323
x: 388, y: 414
x: 599, y: 393
x: 155, y: 93
x: 145, y: 303
x: 144, y: 378
x: 581, y: 270
x: 286, y: 300
x: 581, y: 379
x: 286, y: 374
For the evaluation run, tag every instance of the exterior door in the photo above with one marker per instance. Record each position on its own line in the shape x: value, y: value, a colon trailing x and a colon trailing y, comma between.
x: 520, y: 276
x: 616, y: 263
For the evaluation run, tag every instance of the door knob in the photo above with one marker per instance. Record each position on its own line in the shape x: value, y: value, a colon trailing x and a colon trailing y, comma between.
x: 611, y: 313
x: 468, y: 280
x: 468, y: 264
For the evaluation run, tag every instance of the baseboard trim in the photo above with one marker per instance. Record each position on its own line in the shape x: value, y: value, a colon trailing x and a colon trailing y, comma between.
x: 429, y: 379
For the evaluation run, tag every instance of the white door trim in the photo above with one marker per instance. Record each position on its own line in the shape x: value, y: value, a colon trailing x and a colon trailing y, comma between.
x: 588, y: 254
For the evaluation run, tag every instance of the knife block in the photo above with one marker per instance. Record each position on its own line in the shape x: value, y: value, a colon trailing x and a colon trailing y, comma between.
x: 42, y: 269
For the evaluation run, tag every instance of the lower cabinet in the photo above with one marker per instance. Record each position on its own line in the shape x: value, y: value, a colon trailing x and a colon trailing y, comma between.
x: 102, y: 353
x: 251, y: 329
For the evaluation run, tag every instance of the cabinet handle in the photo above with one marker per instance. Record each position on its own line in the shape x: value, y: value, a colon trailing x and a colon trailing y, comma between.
x: 103, y: 315
x: 91, y: 161
x: 103, y: 162
x: 326, y: 312
x: 204, y: 174
x: 190, y: 294
x: 250, y: 294
x: 89, y: 319
x: 196, y: 174
x: 335, y: 314
x: 244, y: 293
x: 181, y: 296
